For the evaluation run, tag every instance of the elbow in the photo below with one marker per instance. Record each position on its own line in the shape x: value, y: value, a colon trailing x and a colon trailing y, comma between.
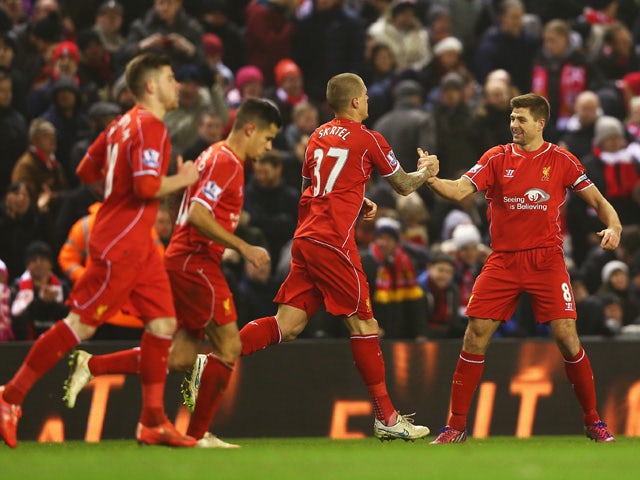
x: 194, y: 217
x: 406, y: 191
x: 403, y: 190
x: 146, y: 188
x: 145, y: 193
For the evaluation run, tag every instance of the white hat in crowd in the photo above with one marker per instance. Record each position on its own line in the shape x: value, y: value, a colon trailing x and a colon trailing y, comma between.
x: 606, y: 127
x: 447, y: 44
x: 611, y: 267
x: 465, y: 234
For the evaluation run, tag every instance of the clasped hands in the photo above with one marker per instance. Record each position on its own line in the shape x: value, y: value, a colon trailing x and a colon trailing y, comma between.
x: 429, y: 163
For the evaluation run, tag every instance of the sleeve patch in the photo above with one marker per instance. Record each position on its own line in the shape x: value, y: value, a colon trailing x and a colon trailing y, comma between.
x: 393, y: 161
x: 212, y: 191
x: 151, y: 158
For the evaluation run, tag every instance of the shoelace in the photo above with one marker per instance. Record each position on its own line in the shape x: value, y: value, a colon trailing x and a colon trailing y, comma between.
x: 601, y: 429
x: 407, y: 417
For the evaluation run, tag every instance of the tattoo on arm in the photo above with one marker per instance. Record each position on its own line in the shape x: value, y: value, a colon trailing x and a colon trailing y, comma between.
x: 404, y: 183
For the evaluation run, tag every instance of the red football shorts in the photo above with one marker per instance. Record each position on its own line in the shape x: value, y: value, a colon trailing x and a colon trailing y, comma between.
x: 106, y: 286
x: 540, y: 271
x: 200, y: 294
x: 322, y: 273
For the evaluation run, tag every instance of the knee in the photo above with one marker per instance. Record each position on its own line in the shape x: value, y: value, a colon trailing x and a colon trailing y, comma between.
x: 475, y: 341
x: 357, y: 326
x: 229, y: 349
x: 82, y: 330
x: 290, y: 328
x: 162, y: 326
x: 180, y: 360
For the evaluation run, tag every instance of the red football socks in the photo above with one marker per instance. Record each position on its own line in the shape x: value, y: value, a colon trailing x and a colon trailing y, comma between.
x: 214, y: 380
x: 259, y: 334
x: 154, y: 357
x: 465, y: 381
x: 125, y: 361
x: 369, y: 362
x: 580, y: 375
x: 48, y: 349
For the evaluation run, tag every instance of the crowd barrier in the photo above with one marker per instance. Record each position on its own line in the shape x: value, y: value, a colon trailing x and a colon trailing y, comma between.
x: 311, y: 388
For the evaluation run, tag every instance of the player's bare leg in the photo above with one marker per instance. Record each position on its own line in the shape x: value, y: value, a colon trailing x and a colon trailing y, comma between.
x: 214, y: 379
x: 580, y: 374
x: 365, y: 348
x: 466, y: 378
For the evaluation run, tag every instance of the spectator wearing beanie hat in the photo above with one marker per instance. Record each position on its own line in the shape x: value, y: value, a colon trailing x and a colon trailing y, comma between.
x: 108, y: 25
x: 289, y: 88
x: 616, y: 281
x: 39, y: 300
x: 249, y: 84
x: 614, y: 167
x: 469, y: 254
x: 396, y: 296
x: 443, y: 297
x: 213, y: 52
x: 65, y: 63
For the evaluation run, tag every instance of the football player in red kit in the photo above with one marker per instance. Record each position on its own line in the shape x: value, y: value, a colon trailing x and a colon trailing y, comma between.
x: 340, y: 158
x: 205, y: 226
x: 128, y: 163
x: 325, y: 268
x: 525, y: 184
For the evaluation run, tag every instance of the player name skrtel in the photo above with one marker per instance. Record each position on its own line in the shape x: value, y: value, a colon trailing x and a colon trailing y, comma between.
x: 341, y: 132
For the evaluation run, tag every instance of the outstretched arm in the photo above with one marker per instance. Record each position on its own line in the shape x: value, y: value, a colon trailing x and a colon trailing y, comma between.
x: 607, y: 215
x: 405, y: 183
x: 454, y: 190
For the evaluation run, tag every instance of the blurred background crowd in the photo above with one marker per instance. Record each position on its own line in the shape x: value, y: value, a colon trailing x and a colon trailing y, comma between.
x: 440, y: 74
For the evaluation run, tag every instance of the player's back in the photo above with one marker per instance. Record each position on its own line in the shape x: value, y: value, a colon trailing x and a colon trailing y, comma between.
x: 134, y: 146
x: 220, y: 189
x: 339, y: 160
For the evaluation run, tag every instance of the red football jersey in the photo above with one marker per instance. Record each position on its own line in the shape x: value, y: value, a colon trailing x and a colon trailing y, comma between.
x: 136, y: 144
x: 339, y: 160
x: 220, y: 189
x: 525, y: 193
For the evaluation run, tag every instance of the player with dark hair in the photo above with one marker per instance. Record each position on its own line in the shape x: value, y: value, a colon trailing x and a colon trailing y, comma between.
x: 205, y: 226
x: 526, y: 183
x: 128, y: 164
x: 325, y: 267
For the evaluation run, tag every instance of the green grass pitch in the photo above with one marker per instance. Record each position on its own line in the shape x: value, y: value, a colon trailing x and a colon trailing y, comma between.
x: 548, y: 457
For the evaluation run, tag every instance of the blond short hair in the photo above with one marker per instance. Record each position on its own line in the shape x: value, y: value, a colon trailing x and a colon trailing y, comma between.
x: 341, y: 89
x: 40, y: 126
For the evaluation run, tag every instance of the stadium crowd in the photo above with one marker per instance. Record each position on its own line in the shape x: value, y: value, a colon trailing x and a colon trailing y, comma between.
x: 439, y: 73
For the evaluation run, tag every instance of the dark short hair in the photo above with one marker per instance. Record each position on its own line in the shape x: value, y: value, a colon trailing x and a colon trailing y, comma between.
x: 260, y: 111
x: 537, y: 105
x: 272, y: 157
x: 139, y: 68
x: 441, y: 257
x: 38, y: 249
